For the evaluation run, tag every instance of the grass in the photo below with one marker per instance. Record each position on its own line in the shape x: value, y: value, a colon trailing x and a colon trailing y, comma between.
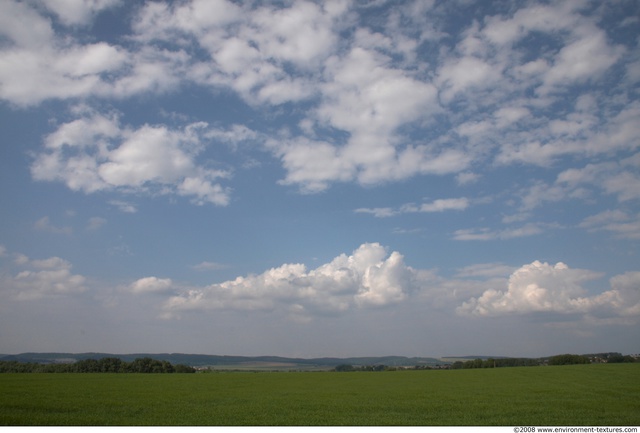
x: 567, y: 395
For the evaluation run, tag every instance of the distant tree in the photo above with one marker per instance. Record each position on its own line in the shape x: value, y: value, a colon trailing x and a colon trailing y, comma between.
x: 181, y: 368
x: 111, y: 365
x: 618, y: 358
x: 568, y: 359
x: 103, y: 365
x: 344, y: 367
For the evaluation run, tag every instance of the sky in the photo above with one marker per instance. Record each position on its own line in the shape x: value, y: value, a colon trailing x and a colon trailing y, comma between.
x: 308, y: 179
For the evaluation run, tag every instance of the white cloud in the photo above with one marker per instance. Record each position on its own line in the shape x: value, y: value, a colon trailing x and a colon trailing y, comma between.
x: 544, y: 288
x: 616, y: 178
x: 486, y: 234
x: 378, y: 212
x: 439, y: 205
x: 124, y: 206
x: 95, y: 153
x: 624, y: 296
x: 458, y: 75
x: 78, y: 12
x: 366, y: 278
x: 44, y: 278
x: 492, y: 92
x: 485, y: 270
x: 151, y: 285
x: 580, y: 60
x: 582, y: 132
x: 622, y: 224
x: 23, y: 26
x: 301, y: 34
x: 36, y: 64
x: 442, y: 205
x: 311, y: 164
x: 537, y: 287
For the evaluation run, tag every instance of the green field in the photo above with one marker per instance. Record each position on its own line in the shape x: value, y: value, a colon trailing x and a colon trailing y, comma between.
x: 520, y: 396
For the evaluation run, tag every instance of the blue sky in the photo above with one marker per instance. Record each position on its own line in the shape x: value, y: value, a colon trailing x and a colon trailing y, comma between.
x: 320, y: 178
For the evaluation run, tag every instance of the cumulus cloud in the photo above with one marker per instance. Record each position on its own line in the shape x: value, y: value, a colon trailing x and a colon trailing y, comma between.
x: 36, y: 64
x: 44, y: 278
x: 95, y: 153
x: 487, y: 94
x: 545, y: 288
x: 624, y: 296
x: 77, y: 12
x: 370, y: 278
x: 151, y: 285
x: 366, y: 278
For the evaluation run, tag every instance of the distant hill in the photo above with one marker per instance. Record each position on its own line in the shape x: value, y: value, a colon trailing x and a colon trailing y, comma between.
x: 196, y: 360
x: 472, y: 357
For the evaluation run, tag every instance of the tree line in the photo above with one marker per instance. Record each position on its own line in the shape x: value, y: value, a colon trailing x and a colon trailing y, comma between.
x: 103, y: 365
x: 564, y: 359
x: 496, y: 363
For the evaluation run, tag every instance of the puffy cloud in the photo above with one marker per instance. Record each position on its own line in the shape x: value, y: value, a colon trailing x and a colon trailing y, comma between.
x: 487, y: 92
x: 366, y: 278
x: 78, y: 12
x: 363, y: 95
x: 544, y: 288
x: 580, y: 60
x: 458, y: 75
x: 36, y: 65
x: 44, y: 278
x: 151, y: 285
x: 624, y: 296
x: 95, y: 153
x: 301, y: 34
x: 249, y: 50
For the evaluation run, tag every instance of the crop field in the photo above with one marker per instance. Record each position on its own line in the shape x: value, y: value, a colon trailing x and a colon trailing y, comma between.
x: 520, y: 396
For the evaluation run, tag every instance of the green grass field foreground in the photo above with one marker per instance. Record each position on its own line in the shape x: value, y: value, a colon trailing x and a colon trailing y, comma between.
x: 604, y: 395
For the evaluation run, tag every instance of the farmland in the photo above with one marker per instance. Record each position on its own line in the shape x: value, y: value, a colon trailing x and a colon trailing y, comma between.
x: 565, y: 395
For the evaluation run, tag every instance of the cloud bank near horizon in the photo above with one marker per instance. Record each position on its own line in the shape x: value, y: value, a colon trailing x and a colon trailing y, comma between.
x: 369, y: 277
